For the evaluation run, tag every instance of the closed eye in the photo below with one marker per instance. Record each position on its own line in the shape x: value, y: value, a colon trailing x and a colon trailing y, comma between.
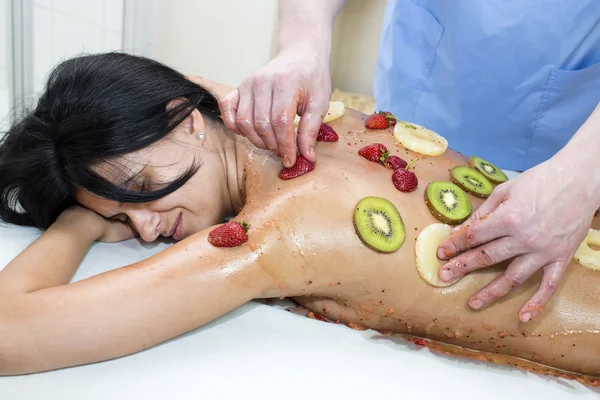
x: 146, y: 185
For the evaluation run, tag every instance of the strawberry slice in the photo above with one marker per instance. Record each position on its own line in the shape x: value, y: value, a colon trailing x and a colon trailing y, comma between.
x: 302, y: 166
x: 381, y: 120
x: 405, y: 180
x: 327, y: 134
x: 231, y: 234
x: 395, y: 162
x: 375, y: 152
x: 377, y: 121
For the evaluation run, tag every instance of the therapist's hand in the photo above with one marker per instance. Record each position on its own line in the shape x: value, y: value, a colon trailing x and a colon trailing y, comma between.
x: 264, y: 106
x: 540, y: 218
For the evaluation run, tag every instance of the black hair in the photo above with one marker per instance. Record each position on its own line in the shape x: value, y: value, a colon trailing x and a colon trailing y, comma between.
x: 93, y: 108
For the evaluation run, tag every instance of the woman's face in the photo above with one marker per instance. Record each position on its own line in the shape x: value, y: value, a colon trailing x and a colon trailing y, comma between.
x: 201, y: 202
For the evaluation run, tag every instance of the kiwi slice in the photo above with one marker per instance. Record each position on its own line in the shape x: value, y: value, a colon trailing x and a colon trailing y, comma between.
x: 489, y: 170
x: 447, y: 202
x: 379, y: 224
x: 472, y: 181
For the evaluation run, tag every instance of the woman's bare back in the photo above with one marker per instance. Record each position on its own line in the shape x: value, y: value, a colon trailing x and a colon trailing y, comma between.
x: 305, y: 237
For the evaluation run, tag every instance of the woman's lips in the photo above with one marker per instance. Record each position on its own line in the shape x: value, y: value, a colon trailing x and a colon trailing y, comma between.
x: 178, y: 233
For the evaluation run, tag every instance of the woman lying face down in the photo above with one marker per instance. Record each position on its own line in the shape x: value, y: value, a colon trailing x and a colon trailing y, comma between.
x: 119, y: 146
x: 104, y: 136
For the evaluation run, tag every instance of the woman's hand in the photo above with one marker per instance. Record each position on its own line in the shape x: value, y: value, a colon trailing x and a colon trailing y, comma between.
x: 540, y: 218
x: 52, y: 259
x: 99, y: 228
x: 264, y: 106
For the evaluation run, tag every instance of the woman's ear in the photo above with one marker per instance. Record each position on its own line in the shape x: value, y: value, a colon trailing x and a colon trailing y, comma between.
x: 193, y: 123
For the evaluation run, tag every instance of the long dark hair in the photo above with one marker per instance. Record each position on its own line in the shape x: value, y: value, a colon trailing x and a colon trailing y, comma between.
x: 93, y: 108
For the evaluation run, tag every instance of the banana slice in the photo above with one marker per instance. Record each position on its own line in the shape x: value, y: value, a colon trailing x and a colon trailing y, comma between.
x: 336, y: 110
x: 419, y: 139
x: 587, y: 256
x: 428, y: 264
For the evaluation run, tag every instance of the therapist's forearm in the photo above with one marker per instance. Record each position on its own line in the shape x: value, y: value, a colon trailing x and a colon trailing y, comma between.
x: 580, y: 159
x: 307, y: 23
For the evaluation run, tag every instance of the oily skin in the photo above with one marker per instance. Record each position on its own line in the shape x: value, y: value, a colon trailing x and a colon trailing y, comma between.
x: 47, y: 322
x: 344, y: 280
x: 295, y: 249
x: 297, y: 80
x: 313, y: 254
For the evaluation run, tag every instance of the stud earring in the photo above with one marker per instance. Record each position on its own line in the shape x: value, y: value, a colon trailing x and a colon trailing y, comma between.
x: 200, y: 136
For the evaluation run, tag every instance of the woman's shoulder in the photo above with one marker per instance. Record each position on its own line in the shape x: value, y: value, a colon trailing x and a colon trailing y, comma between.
x: 219, y: 90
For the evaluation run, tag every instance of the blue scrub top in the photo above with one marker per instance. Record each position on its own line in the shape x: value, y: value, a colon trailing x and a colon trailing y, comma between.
x: 508, y: 80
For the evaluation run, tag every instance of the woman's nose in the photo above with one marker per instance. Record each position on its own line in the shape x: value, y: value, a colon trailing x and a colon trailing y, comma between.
x: 146, y: 223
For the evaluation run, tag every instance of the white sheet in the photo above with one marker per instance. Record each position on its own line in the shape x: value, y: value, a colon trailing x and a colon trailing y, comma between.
x: 259, y: 351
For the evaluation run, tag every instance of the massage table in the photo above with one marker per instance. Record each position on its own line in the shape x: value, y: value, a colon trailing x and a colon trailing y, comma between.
x: 262, y: 351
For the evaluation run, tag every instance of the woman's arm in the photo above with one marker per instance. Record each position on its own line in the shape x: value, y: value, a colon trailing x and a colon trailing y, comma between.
x: 53, y: 259
x: 46, y: 323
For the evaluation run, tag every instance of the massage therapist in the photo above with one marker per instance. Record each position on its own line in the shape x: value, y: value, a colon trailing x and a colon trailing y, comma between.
x: 516, y: 82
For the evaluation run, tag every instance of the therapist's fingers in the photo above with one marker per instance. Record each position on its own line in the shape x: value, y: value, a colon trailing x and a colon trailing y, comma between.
x: 244, y: 119
x: 519, y: 270
x: 228, y: 106
x: 474, y: 231
x: 262, y: 115
x: 308, y: 130
x: 477, y: 233
x: 481, y: 257
x: 490, y: 204
x: 552, y: 274
x: 285, y: 104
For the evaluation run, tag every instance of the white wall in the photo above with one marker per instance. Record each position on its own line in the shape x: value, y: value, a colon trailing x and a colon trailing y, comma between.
x: 229, y: 39
x: 355, y: 45
x: 58, y: 29
x: 4, y: 27
x: 64, y: 28
x: 224, y: 40
x: 4, y: 93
